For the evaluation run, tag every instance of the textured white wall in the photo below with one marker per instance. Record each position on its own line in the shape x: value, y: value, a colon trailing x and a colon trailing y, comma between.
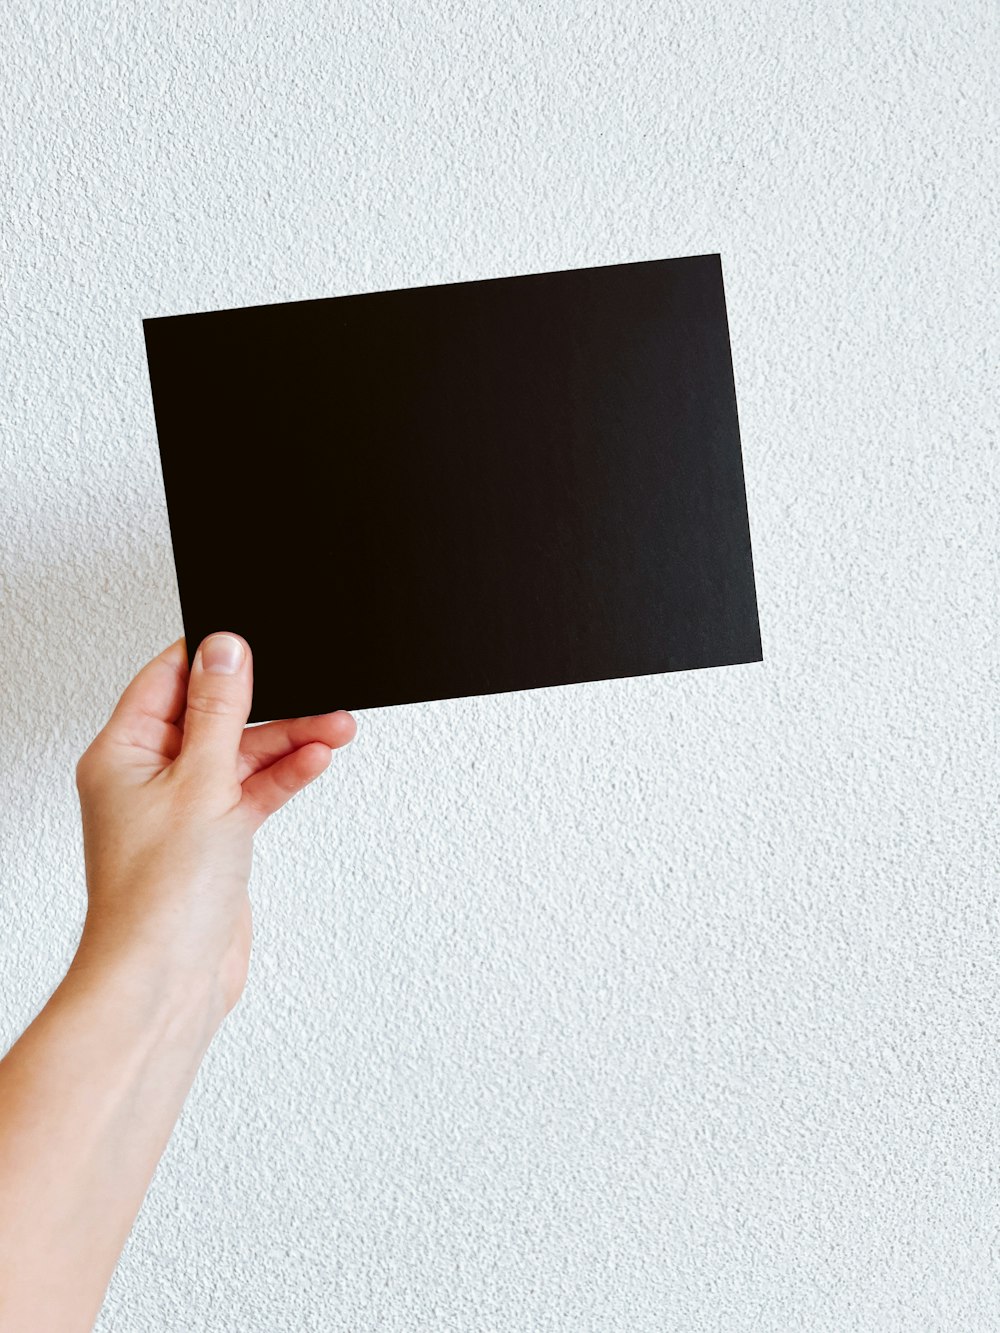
x: 667, y: 1004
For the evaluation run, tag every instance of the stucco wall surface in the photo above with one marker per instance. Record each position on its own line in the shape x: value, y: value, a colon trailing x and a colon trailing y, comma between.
x: 663, y: 1004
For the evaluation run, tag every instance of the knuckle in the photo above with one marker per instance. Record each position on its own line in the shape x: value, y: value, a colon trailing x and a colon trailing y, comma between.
x: 210, y: 702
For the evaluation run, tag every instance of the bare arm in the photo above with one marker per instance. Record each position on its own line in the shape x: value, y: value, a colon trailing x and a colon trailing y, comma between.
x: 171, y: 792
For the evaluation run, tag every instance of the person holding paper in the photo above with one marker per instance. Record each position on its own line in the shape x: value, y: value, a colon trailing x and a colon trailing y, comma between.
x: 172, y: 791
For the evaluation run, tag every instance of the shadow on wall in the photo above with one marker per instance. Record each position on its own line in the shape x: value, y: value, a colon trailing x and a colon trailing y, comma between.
x: 76, y: 629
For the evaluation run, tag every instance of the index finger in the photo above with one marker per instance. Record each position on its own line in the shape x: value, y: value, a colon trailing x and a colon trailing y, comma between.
x: 157, y: 692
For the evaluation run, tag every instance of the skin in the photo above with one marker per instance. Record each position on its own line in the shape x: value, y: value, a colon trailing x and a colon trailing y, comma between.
x: 171, y: 792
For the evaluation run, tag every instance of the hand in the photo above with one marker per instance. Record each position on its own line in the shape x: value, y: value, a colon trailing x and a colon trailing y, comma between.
x: 172, y: 791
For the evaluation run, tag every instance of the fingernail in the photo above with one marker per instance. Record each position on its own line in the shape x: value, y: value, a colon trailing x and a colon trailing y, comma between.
x: 222, y: 653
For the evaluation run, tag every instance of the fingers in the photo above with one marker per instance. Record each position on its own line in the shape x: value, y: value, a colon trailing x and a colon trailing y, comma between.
x: 157, y: 692
x: 272, y: 787
x: 266, y: 744
x: 219, y: 697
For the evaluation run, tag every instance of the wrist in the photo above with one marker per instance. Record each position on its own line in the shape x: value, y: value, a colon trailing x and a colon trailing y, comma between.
x: 155, y: 991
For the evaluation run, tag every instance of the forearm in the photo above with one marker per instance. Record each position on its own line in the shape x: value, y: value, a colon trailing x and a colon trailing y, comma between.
x: 88, y: 1098
x: 172, y: 791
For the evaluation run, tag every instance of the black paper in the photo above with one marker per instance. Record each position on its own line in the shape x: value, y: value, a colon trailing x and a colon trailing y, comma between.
x: 463, y: 489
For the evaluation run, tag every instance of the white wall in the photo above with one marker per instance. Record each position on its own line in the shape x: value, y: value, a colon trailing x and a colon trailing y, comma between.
x: 667, y: 1004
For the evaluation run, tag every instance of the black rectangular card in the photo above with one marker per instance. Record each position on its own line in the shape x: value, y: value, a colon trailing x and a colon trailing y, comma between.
x: 437, y: 492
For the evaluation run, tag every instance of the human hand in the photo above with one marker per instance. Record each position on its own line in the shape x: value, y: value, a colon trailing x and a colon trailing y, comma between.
x: 172, y: 790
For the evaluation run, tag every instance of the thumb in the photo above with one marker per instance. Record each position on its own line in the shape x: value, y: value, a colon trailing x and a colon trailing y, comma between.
x: 220, y: 693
